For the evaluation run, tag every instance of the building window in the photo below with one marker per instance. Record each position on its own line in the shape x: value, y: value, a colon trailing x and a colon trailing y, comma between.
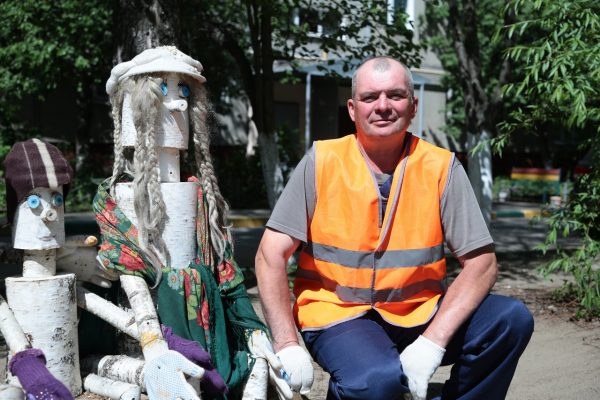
x: 319, y: 22
x: 405, y: 6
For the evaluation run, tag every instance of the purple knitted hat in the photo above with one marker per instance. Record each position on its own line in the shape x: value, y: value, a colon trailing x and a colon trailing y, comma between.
x: 32, y: 164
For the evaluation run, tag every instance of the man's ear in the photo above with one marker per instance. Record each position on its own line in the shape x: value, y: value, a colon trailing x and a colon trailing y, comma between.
x: 350, y: 105
x: 415, y: 106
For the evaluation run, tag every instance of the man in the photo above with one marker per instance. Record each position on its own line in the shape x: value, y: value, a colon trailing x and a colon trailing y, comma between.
x: 372, y: 212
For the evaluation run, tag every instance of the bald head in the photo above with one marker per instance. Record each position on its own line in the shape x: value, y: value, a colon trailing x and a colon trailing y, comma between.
x: 382, y: 64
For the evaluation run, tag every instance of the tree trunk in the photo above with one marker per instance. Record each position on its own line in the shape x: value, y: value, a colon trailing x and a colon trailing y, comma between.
x: 269, y: 157
x: 140, y: 25
x: 480, y: 172
x: 261, y: 97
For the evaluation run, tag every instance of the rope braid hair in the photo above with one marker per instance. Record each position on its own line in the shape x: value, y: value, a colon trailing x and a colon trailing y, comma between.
x: 217, y: 206
x: 120, y: 161
x: 146, y: 99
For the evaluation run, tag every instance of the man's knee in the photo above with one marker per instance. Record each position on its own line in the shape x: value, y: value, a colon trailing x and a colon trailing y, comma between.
x: 518, y: 321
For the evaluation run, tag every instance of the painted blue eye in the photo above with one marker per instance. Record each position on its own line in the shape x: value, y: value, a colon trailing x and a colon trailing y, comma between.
x: 184, y: 90
x: 33, y: 201
x: 164, y: 88
x: 57, y: 200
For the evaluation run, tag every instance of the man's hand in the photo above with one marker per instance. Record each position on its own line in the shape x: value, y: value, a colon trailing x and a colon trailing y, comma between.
x: 419, y: 361
x: 297, y: 364
x: 30, y: 367
x: 78, y: 256
x: 164, y: 377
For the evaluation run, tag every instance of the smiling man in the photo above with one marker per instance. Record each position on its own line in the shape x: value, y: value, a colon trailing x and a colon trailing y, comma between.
x: 370, y: 213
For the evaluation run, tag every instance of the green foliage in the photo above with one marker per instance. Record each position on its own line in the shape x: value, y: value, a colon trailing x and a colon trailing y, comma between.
x: 239, y: 29
x: 560, y: 55
x: 559, y: 52
x: 580, y: 219
x: 501, y: 184
x: 43, y: 44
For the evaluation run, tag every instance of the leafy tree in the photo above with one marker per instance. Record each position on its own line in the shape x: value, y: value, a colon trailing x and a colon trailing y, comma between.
x: 559, y: 50
x: 251, y: 36
x: 44, y: 45
x: 461, y: 33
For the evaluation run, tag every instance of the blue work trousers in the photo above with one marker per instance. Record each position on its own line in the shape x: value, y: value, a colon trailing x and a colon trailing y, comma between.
x: 362, y: 355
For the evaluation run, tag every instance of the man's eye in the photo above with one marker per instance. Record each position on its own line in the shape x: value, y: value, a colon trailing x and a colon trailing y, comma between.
x: 57, y: 200
x: 33, y: 201
x: 184, y: 90
x: 164, y: 88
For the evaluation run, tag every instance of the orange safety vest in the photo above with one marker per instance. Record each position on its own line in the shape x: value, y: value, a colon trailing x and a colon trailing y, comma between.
x: 353, y: 262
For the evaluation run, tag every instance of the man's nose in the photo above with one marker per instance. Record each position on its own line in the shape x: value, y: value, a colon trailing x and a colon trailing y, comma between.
x: 49, y: 214
x: 382, y: 103
x: 176, y: 105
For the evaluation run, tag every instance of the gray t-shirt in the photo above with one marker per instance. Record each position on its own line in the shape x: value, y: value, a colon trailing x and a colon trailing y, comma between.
x: 463, y: 224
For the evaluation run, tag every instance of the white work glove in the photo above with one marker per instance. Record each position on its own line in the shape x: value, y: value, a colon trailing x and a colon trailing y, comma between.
x: 164, y: 377
x: 78, y: 256
x: 419, y: 361
x: 297, y: 364
x: 260, y: 346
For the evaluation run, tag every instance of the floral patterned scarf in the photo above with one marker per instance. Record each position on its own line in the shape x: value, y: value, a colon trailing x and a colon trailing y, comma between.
x: 199, y: 303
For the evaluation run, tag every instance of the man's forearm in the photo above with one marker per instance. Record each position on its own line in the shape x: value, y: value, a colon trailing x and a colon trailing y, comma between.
x: 464, y: 295
x: 271, y: 274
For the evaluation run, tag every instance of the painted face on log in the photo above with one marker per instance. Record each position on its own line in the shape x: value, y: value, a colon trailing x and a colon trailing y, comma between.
x: 39, y: 220
x: 173, y: 122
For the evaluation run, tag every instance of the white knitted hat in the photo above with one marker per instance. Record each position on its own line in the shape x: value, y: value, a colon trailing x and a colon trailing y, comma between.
x: 160, y: 59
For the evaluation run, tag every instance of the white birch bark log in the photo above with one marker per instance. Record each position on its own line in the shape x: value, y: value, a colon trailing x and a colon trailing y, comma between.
x: 121, y: 319
x: 168, y: 162
x: 46, y: 310
x: 110, y: 388
x: 480, y: 173
x: 39, y: 263
x: 11, y: 392
x: 151, y: 338
x: 257, y: 383
x: 179, y: 232
x: 122, y: 368
x: 11, y: 330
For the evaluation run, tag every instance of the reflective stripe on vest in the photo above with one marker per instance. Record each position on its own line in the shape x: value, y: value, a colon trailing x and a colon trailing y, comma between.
x: 353, y: 262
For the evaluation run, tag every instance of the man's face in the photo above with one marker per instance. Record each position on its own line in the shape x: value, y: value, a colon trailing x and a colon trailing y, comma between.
x: 382, y: 106
x: 39, y: 221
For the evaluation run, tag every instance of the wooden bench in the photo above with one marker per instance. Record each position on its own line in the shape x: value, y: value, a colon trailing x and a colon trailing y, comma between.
x: 534, y: 183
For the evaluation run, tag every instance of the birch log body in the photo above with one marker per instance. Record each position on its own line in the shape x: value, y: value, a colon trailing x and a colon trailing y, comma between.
x: 11, y: 330
x: 39, y: 263
x: 168, y: 163
x: 110, y: 388
x: 151, y: 338
x: 179, y: 232
x: 256, y: 385
x: 46, y: 310
x: 121, y: 319
x: 122, y: 368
